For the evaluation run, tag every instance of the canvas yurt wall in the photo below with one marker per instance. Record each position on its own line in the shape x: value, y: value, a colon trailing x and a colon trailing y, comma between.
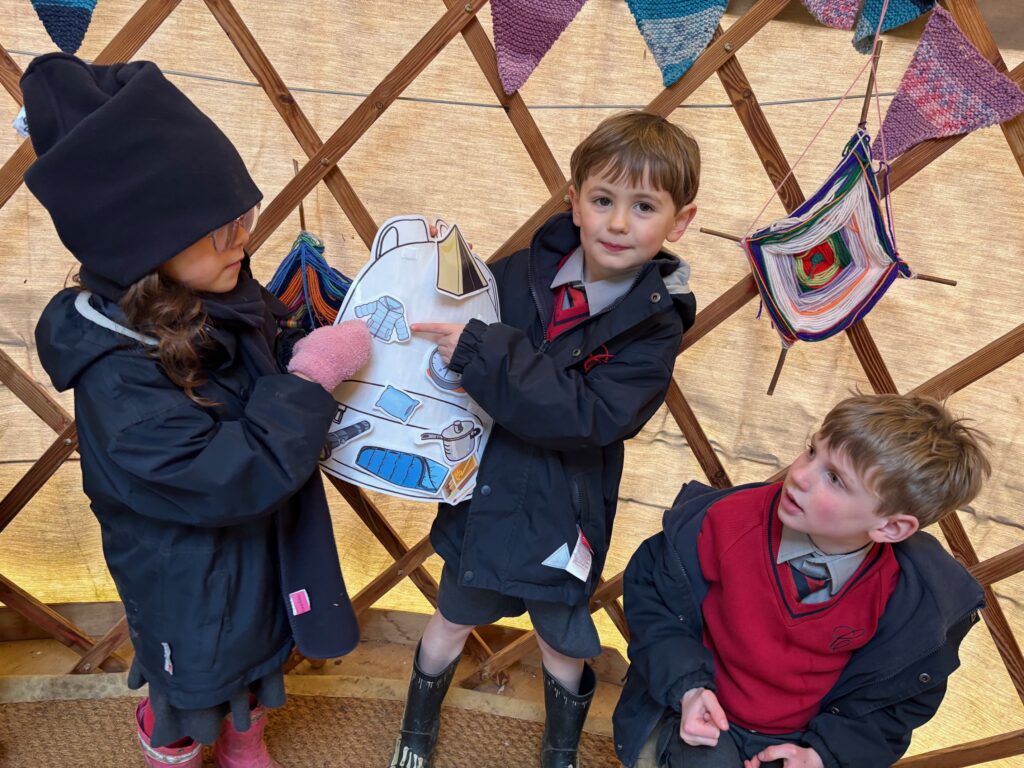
x: 445, y: 146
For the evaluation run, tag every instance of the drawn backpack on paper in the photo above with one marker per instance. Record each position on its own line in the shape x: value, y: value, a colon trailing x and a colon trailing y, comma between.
x: 404, y: 425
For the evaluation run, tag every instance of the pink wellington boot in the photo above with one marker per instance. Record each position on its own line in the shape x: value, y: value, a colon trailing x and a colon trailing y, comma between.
x: 188, y: 756
x: 235, y: 749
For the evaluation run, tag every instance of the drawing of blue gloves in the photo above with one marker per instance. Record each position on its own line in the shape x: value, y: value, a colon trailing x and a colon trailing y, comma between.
x: 387, y: 318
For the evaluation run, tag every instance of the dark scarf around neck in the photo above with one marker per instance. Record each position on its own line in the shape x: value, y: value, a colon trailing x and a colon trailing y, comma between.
x: 246, y: 317
x: 242, y: 320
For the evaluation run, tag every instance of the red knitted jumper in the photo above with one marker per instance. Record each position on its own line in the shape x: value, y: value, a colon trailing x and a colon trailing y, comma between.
x: 570, y: 307
x: 776, y: 658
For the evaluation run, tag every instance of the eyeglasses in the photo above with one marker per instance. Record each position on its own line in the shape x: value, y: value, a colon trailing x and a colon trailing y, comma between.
x: 223, y: 237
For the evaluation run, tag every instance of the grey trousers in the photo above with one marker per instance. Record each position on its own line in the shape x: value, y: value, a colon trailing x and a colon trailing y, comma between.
x: 664, y: 748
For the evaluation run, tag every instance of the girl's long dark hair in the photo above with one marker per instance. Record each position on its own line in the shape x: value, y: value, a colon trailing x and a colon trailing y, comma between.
x: 174, y: 315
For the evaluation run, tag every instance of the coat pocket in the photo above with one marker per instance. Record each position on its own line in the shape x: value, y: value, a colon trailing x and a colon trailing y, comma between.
x: 194, y: 620
x: 588, y: 504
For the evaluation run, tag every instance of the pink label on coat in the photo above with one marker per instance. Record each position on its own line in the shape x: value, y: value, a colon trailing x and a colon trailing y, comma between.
x: 300, y: 602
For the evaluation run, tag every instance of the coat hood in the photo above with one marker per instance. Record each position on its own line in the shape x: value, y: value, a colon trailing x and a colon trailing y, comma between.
x: 157, y: 173
x: 78, y: 328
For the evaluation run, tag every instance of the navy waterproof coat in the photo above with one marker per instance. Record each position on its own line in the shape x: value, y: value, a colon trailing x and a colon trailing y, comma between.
x: 211, y: 517
x: 562, y: 411
x: 891, y: 686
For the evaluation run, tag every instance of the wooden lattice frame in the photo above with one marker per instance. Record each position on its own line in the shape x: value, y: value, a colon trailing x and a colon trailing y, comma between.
x: 322, y: 165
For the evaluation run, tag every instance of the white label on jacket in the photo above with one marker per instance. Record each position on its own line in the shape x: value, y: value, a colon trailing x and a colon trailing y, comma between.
x: 21, y: 124
x: 582, y: 557
x: 168, y: 664
x: 559, y: 558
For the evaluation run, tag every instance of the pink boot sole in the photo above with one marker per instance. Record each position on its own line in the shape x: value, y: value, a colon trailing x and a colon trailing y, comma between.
x: 190, y: 756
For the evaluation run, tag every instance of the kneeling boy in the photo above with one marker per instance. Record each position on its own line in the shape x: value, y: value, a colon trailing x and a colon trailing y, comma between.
x: 807, y: 622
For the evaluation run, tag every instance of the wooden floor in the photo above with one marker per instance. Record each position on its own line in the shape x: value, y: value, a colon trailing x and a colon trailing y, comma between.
x: 385, y: 654
x: 31, y: 669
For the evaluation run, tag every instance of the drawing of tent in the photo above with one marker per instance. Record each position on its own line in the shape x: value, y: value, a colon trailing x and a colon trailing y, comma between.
x: 457, y: 272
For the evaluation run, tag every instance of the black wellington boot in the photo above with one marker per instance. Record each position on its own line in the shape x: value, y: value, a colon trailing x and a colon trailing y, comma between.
x: 566, y: 713
x: 422, y: 718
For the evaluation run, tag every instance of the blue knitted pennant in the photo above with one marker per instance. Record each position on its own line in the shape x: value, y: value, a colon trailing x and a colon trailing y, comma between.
x: 65, y: 20
x: 898, y: 13
x: 676, y: 31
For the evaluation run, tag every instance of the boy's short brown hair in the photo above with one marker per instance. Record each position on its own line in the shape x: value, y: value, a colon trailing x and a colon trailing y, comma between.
x: 910, y: 451
x: 642, y: 147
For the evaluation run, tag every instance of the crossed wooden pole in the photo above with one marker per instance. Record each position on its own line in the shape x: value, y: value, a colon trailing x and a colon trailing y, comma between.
x: 322, y: 159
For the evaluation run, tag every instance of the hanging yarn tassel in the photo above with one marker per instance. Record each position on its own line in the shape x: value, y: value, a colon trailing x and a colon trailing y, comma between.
x: 676, y: 31
x: 524, y: 31
x: 897, y: 13
x: 66, y: 21
x: 838, y: 14
x: 311, y: 288
x: 948, y: 89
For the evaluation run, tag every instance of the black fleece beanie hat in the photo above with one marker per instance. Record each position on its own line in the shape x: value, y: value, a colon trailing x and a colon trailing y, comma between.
x: 130, y: 170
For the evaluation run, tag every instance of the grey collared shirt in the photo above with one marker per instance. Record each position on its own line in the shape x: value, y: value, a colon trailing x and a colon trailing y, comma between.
x: 798, y: 550
x: 601, y: 294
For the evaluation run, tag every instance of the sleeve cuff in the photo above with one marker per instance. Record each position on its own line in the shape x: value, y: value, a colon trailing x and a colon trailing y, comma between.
x: 285, y: 345
x: 814, y: 741
x: 470, y: 339
x: 699, y: 679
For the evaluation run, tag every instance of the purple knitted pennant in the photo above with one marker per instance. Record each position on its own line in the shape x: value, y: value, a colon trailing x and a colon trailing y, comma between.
x: 524, y: 31
x: 838, y: 14
x: 948, y: 89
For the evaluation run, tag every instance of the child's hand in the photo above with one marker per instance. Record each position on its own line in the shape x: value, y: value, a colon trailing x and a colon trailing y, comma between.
x: 703, y: 718
x: 445, y: 334
x: 331, y: 354
x: 791, y: 755
x: 433, y: 234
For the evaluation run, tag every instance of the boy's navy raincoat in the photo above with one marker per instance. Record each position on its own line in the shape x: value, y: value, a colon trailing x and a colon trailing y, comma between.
x: 562, y: 411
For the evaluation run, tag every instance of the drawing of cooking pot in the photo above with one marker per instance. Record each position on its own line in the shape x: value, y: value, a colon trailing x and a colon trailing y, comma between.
x: 459, y: 439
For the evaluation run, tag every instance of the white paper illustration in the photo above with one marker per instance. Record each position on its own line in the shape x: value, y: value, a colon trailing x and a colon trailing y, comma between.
x: 405, y: 426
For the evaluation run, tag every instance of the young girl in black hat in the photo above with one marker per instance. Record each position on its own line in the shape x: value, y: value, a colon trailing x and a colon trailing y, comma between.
x: 198, y: 452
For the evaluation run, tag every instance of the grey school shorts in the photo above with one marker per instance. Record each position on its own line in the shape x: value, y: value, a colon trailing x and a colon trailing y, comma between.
x: 569, y: 629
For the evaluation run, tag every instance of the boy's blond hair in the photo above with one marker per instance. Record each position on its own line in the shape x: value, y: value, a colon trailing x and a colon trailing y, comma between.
x: 641, y: 147
x: 910, y: 451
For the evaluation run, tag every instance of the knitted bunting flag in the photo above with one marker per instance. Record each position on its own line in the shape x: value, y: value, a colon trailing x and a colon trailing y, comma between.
x: 676, y: 31
x: 65, y: 20
x: 838, y: 14
x: 824, y: 267
x: 897, y: 14
x: 524, y: 31
x: 949, y: 88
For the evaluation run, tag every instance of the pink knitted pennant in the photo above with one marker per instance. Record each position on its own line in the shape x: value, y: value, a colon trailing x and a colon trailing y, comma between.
x: 839, y: 14
x: 524, y: 31
x: 948, y: 89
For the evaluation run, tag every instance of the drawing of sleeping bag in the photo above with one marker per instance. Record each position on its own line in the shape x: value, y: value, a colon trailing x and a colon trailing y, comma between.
x: 406, y: 470
x: 405, y: 426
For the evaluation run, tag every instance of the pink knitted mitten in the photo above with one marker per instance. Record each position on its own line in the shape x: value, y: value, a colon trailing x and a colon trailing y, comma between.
x: 331, y: 354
